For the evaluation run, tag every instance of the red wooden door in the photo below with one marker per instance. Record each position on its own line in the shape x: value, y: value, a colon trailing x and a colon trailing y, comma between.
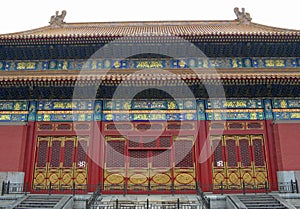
x: 149, y: 164
x: 239, y: 160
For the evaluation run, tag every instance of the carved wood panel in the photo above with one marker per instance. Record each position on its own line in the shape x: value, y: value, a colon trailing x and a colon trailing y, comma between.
x: 61, y: 161
x: 142, y: 163
x: 239, y: 160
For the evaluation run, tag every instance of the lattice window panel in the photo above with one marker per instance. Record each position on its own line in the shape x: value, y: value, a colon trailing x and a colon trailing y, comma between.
x: 184, y: 126
x: 82, y: 149
x: 83, y: 126
x: 174, y: 126
x: 187, y: 161
x: 254, y: 126
x: 118, y: 126
x: 183, y: 153
x: 238, y: 126
x: 165, y: 141
x: 64, y: 127
x: 42, y: 154
x: 187, y: 126
x: 242, y: 151
x: 134, y: 142
x: 217, y: 126
x: 231, y: 153
x: 149, y: 142
x: 115, y: 156
x: 143, y: 126
x: 68, y: 153
x: 55, y: 153
x: 156, y: 126
x: 245, y: 152
x: 161, y: 158
x: 46, y: 127
x: 218, y: 152
x: 111, y: 127
x: 138, y: 159
x: 259, y: 159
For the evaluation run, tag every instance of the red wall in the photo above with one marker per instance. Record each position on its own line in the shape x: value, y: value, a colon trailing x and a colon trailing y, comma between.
x: 13, y: 139
x: 288, y: 146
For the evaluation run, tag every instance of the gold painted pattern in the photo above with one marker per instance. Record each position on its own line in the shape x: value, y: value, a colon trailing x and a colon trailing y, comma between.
x: 232, y: 177
x: 147, y: 111
x: 60, y: 177
x: 234, y: 110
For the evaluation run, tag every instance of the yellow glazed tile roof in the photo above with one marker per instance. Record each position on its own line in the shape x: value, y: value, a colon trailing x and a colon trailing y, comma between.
x: 160, y: 28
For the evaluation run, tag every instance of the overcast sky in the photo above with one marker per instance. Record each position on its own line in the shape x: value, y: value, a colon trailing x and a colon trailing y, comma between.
x: 19, y: 15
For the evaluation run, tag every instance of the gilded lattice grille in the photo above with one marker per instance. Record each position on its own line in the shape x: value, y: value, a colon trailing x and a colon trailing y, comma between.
x: 115, y: 158
x: 41, y: 164
x: 55, y: 153
x: 149, y: 142
x: 244, y: 161
x: 80, y: 167
x: 56, y: 163
x: 115, y: 154
x: 82, y: 149
x: 134, y: 142
x: 217, y: 151
x: 258, y: 152
x: 138, y: 159
x: 184, y: 153
x: 219, y: 171
x: 68, y: 154
x: 138, y: 169
x: 161, y: 158
x: 184, y: 171
x: 231, y: 152
x: 165, y: 141
x: 259, y: 164
x: 42, y: 153
x: 245, y: 152
x: 140, y: 163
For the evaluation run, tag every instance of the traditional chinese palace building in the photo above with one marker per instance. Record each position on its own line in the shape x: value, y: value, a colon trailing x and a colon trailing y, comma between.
x: 153, y: 107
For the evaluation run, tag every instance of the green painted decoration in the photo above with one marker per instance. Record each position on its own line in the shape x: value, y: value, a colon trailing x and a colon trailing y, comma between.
x: 153, y: 110
x: 234, y: 104
x: 268, y: 109
x: 13, y: 105
x: 201, y: 109
x: 160, y: 63
x: 32, y: 111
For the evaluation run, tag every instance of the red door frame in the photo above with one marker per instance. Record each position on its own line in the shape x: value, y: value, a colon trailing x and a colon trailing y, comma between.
x: 269, y: 150
x: 164, y: 132
x: 34, y: 132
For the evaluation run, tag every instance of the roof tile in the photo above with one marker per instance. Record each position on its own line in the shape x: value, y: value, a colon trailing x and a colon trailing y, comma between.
x: 152, y: 28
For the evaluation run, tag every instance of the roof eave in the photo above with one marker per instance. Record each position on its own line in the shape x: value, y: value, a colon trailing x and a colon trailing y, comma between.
x: 98, y: 38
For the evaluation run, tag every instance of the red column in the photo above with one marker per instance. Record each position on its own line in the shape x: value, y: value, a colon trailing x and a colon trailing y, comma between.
x: 30, y: 148
x: 94, y: 153
x: 204, y: 175
x: 271, y: 154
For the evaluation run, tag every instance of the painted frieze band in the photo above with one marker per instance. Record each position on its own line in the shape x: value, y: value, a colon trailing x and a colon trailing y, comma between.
x: 286, y: 109
x: 162, y: 63
x: 13, y: 111
x: 141, y: 110
x: 145, y: 110
x: 65, y: 110
x: 234, y: 109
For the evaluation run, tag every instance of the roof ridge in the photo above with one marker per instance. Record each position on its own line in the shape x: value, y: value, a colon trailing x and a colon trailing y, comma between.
x: 129, y: 28
x: 152, y: 23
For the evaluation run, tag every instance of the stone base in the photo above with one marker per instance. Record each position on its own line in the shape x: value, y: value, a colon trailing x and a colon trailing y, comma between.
x: 13, y: 177
x: 288, y: 176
